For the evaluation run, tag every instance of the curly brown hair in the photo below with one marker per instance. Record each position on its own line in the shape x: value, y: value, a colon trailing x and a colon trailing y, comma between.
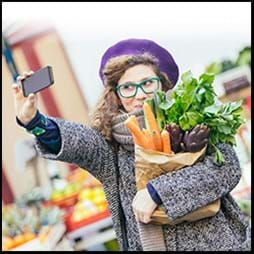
x: 109, y: 103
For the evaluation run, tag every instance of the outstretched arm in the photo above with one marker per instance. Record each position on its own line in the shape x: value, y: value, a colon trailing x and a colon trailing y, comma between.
x: 80, y: 145
x: 76, y: 143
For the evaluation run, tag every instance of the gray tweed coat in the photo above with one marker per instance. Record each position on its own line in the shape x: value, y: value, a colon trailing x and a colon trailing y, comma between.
x: 181, y: 192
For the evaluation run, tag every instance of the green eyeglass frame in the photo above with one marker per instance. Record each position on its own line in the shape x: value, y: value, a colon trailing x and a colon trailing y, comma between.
x: 137, y: 85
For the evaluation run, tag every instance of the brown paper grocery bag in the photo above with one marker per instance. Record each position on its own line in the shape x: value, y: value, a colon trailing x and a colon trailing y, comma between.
x: 151, y: 164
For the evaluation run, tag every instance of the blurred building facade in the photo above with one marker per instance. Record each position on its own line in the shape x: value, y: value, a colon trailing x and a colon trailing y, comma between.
x: 34, y: 46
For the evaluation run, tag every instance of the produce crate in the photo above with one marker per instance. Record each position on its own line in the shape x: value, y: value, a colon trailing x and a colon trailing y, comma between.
x: 72, y: 225
x: 54, y: 235
x: 66, y: 202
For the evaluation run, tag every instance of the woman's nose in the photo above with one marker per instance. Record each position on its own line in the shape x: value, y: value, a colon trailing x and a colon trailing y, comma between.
x: 140, y: 94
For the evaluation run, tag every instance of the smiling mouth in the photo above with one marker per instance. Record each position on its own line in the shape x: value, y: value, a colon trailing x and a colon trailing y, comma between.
x: 139, y: 106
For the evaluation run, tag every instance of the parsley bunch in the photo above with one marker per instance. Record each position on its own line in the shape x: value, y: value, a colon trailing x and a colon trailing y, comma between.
x: 194, y: 102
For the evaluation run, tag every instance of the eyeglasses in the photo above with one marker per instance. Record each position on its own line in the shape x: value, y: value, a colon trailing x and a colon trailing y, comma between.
x: 148, y: 86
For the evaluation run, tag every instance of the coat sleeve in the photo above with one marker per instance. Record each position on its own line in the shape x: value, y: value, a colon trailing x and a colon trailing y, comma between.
x: 195, y: 186
x: 82, y: 146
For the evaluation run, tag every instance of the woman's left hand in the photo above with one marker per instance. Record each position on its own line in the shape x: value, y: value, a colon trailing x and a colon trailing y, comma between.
x: 143, y: 206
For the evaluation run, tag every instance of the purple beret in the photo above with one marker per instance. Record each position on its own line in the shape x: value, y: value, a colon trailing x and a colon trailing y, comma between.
x: 139, y: 46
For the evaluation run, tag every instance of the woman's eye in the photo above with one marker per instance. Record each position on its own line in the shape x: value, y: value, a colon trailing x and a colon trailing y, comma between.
x: 128, y: 87
x: 147, y: 83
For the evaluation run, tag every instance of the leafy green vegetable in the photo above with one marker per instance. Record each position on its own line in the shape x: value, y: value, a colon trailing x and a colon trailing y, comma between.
x: 159, y: 113
x: 214, y: 67
x: 244, y: 56
x: 194, y: 102
x: 227, y: 65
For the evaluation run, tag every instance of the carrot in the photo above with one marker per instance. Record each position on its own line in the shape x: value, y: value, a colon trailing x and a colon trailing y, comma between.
x: 151, y: 123
x: 166, y: 142
x: 157, y: 140
x: 134, y: 118
x: 152, y: 126
x: 149, y: 137
x: 144, y: 131
x: 138, y: 136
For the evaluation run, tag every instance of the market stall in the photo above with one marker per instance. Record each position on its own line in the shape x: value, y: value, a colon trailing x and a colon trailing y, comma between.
x: 75, y: 210
x: 232, y: 83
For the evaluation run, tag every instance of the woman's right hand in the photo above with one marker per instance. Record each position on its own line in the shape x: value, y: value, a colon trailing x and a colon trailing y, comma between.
x: 25, y: 107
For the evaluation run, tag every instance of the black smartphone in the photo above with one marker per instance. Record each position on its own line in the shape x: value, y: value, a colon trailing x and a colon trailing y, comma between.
x: 38, y: 81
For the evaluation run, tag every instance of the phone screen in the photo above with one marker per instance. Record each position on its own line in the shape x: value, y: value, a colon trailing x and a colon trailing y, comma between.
x: 38, y: 81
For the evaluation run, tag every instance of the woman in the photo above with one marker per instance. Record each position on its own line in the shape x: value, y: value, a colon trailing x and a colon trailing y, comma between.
x: 131, y: 71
